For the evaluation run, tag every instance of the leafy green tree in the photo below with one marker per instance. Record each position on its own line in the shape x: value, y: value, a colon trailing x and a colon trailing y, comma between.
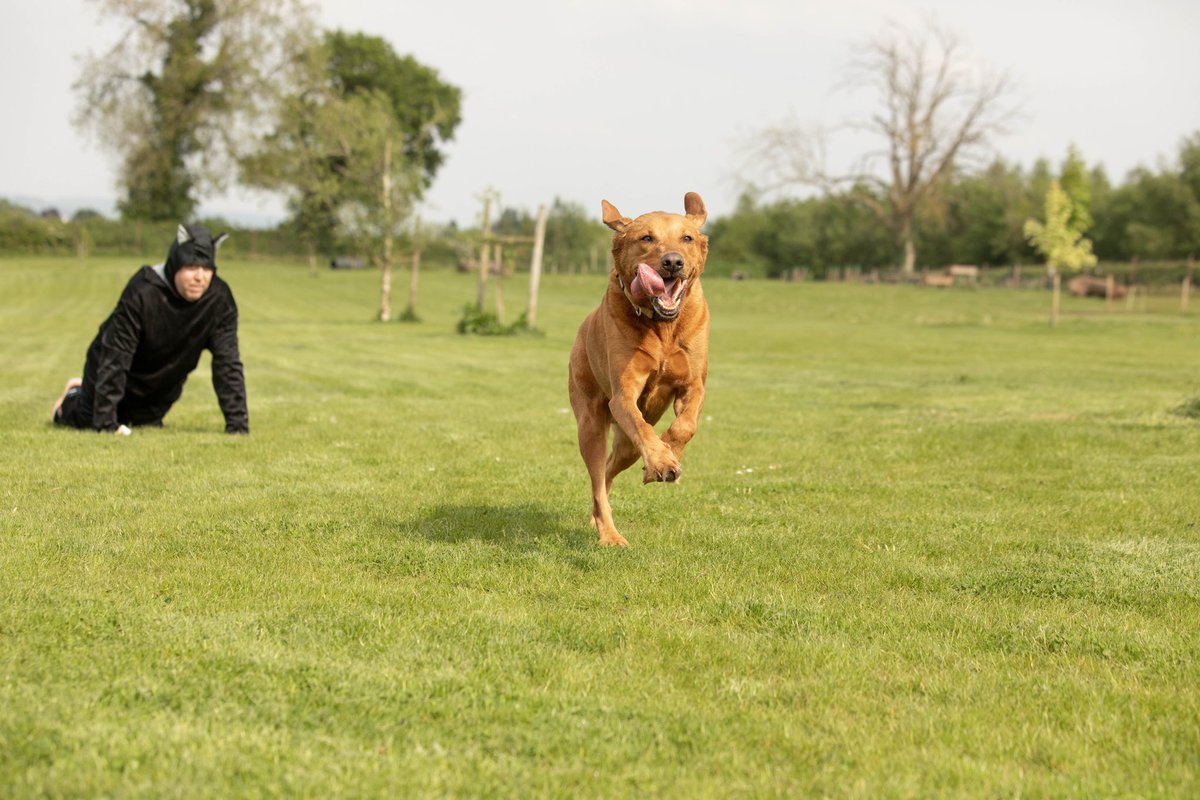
x: 572, y: 234
x: 1102, y: 215
x: 1154, y: 215
x: 1064, y: 247
x: 1189, y: 163
x: 357, y: 106
x: 1077, y: 183
x: 1165, y: 216
x: 183, y: 89
x: 513, y: 222
x: 379, y: 185
x: 983, y: 216
x: 426, y: 110
x: 818, y: 234
x: 788, y: 237
x: 735, y: 236
x: 306, y: 158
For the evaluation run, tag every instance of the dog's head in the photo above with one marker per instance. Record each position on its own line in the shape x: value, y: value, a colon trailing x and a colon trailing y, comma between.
x: 658, y: 255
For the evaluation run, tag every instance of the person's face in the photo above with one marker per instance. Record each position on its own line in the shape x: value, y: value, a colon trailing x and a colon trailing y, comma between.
x: 192, y: 281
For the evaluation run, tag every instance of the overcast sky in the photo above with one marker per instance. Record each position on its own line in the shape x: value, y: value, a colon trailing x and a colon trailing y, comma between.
x: 640, y: 101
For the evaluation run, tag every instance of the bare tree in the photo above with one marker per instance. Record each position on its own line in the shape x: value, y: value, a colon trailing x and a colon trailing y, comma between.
x: 937, y: 111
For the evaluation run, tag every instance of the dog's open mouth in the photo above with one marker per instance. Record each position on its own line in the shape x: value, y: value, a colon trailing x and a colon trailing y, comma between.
x: 664, y: 295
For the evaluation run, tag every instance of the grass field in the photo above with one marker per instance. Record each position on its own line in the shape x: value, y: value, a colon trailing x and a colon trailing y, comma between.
x: 925, y: 546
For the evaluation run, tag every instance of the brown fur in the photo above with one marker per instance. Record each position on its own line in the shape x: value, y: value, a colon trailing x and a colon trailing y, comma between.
x: 628, y: 368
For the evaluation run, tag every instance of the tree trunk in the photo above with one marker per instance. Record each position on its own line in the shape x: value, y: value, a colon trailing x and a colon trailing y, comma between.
x: 385, y: 267
x: 910, y: 255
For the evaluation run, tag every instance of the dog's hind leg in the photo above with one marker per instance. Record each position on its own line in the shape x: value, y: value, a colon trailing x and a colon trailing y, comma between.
x: 593, y: 444
x: 593, y: 420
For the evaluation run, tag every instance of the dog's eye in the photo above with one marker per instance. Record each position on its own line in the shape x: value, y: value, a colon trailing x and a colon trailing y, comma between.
x: 647, y: 238
x: 687, y: 238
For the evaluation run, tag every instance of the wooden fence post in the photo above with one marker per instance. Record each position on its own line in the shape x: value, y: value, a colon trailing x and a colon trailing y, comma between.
x: 483, y: 250
x: 498, y: 257
x: 535, y: 266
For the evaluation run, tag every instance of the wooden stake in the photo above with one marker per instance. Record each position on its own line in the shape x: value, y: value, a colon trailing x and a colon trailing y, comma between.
x: 483, y: 250
x: 535, y: 266
x: 498, y: 256
x: 1108, y: 292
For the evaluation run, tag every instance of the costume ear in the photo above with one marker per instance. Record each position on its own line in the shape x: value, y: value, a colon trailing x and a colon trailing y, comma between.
x: 612, y: 218
x: 217, y: 241
x: 694, y: 207
x: 182, y: 236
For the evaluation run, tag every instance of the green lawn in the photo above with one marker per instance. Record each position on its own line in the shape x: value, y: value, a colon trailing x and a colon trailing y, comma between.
x: 925, y: 546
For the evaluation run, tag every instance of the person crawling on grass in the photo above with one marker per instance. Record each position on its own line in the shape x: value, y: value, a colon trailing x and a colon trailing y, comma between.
x: 141, y: 357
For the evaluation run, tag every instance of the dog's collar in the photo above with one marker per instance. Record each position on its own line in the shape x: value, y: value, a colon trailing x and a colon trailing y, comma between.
x: 636, y: 308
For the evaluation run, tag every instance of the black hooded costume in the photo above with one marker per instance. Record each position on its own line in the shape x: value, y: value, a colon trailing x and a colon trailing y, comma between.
x: 141, y: 357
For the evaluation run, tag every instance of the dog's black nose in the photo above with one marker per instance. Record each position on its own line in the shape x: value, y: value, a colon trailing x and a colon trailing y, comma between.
x: 673, y: 263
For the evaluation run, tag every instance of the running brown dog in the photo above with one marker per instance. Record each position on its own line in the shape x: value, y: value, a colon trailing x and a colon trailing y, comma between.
x: 644, y: 348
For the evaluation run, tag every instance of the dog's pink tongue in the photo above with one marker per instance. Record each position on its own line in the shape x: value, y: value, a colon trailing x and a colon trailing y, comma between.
x: 647, y: 285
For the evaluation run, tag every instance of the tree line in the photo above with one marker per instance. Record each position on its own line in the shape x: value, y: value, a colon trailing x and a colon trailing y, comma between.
x: 975, y: 218
x: 575, y: 240
x: 201, y: 93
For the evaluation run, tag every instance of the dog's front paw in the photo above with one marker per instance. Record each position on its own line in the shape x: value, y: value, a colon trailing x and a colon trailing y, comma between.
x: 613, y: 539
x: 663, y: 465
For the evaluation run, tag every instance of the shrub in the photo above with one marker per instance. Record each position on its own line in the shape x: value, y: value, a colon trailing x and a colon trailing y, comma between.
x: 484, y: 323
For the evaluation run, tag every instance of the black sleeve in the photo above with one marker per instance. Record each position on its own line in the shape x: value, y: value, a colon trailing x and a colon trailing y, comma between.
x: 228, y: 379
x: 118, y: 343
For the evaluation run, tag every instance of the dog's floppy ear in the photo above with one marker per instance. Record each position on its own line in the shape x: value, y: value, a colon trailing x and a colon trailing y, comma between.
x: 694, y: 207
x: 612, y: 218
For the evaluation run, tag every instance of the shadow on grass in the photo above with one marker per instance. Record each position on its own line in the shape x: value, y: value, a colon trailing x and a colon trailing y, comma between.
x: 518, y: 527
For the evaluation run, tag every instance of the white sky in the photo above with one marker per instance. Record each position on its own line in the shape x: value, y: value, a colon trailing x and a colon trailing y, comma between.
x: 640, y: 101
